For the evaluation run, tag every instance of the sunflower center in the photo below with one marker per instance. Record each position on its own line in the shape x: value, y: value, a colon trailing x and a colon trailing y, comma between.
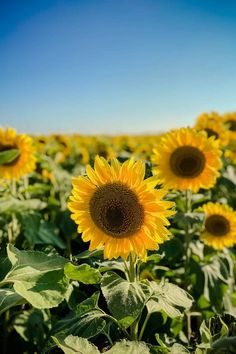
x: 211, y: 132
x: 217, y: 225
x: 116, y: 210
x: 187, y: 161
x: 231, y: 124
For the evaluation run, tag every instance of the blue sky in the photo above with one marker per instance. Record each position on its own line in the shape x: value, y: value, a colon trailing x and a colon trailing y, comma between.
x: 115, y: 66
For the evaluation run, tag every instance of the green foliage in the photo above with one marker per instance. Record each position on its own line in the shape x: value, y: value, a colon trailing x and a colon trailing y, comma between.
x: 38, y: 231
x: 125, y: 300
x: 75, y: 345
x: 168, y: 298
x: 37, y: 277
x: 83, y: 273
x: 78, y: 345
x: 8, y: 299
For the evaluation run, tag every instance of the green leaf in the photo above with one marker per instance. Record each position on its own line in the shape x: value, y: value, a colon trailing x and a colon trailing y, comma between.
x: 75, y: 345
x: 38, y: 231
x: 224, y: 345
x: 87, y: 325
x: 33, y: 326
x: 125, y: 300
x: 89, y: 254
x: 168, y: 298
x: 128, y: 347
x: 82, y: 273
x: 111, y: 265
x: 8, y: 156
x: 38, y: 277
x: 8, y: 299
x: 156, y: 258
x: 178, y: 349
x: 206, y: 337
x: 88, y: 304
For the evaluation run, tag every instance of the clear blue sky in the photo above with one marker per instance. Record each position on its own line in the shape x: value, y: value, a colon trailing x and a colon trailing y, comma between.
x: 115, y: 66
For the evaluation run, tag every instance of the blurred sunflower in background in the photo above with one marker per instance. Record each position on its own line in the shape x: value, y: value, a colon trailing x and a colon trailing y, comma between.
x: 229, y: 120
x: 213, y: 117
x: 19, y: 148
x: 116, y: 208
x: 215, y: 129
x: 220, y: 225
x: 230, y: 151
x: 187, y: 159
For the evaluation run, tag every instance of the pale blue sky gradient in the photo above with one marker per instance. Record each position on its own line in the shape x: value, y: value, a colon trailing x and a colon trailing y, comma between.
x: 115, y: 66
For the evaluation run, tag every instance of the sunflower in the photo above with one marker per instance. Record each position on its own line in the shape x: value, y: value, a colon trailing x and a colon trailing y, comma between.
x: 215, y: 129
x: 116, y: 208
x: 229, y: 120
x: 187, y: 159
x: 230, y: 151
x: 209, y: 117
x: 24, y: 162
x: 220, y: 225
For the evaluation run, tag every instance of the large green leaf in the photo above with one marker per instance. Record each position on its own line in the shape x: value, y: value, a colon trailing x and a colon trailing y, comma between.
x: 83, y: 273
x: 125, y: 299
x: 87, y: 325
x: 33, y: 326
x: 38, y: 231
x: 8, y: 299
x: 88, y: 304
x: 8, y: 156
x: 75, y: 345
x: 168, y: 298
x: 178, y: 349
x: 128, y: 347
x: 38, y: 277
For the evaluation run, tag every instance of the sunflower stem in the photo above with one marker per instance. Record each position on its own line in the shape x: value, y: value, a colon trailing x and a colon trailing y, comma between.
x: 13, y: 187
x: 187, y: 232
x: 132, y: 267
x: 126, y: 271
x: 26, y: 186
x: 144, y: 326
x: 188, y: 200
x: 133, y: 278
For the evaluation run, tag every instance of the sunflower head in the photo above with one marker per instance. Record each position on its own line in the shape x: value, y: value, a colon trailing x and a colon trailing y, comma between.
x: 220, y: 225
x: 215, y: 129
x: 24, y: 162
x: 229, y: 120
x: 212, y: 117
x: 187, y: 159
x: 117, y: 208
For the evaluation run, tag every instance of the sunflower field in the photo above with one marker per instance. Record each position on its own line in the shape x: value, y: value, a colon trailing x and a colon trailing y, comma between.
x: 119, y: 244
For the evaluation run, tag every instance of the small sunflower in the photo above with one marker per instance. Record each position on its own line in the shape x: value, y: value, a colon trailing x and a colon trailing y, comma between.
x: 116, y: 208
x: 187, y: 159
x: 215, y: 129
x: 230, y: 151
x: 229, y: 120
x: 213, y: 117
x: 24, y: 163
x: 220, y: 225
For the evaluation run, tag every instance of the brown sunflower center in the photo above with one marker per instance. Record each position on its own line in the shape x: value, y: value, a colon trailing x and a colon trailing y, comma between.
x: 217, y: 225
x: 116, y: 210
x: 231, y: 124
x: 187, y: 162
x: 12, y: 158
x: 211, y: 132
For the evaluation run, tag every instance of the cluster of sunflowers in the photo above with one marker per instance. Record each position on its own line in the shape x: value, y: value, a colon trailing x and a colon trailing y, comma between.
x: 161, y: 206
